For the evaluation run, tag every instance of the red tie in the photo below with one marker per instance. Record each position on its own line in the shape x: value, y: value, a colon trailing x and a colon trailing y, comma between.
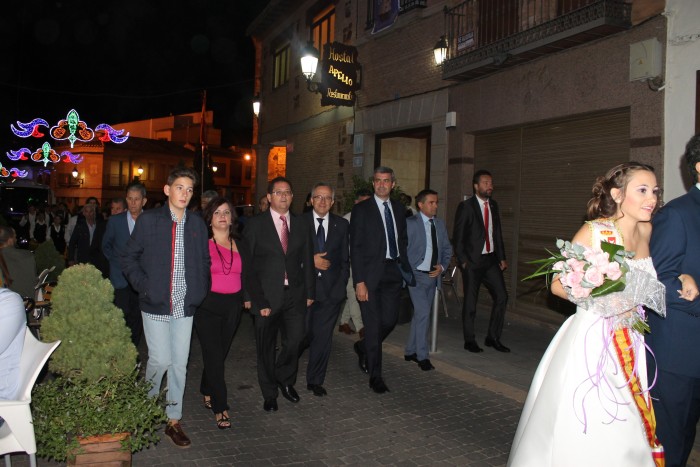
x: 284, y: 237
x: 486, y: 226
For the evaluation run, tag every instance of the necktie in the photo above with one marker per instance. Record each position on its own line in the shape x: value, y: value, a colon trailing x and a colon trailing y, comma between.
x: 321, y: 235
x: 486, y: 226
x: 390, y: 233
x: 284, y: 237
x: 433, y: 240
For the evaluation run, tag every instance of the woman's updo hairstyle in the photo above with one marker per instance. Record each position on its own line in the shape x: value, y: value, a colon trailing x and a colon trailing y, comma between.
x: 602, y: 203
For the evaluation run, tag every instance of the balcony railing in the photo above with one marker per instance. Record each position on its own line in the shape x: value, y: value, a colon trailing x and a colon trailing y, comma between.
x: 404, y: 6
x: 483, y: 34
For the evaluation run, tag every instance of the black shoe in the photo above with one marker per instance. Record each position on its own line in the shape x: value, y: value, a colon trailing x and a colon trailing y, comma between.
x: 317, y: 389
x: 425, y: 365
x: 377, y: 384
x: 361, y: 358
x: 289, y: 393
x: 270, y: 405
x: 496, y: 344
x: 472, y: 347
x: 411, y: 358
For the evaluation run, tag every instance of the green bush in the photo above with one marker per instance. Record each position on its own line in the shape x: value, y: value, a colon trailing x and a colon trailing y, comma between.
x: 95, y: 339
x: 98, y: 390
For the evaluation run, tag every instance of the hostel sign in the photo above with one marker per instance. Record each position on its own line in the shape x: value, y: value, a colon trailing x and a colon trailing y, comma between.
x: 339, y: 74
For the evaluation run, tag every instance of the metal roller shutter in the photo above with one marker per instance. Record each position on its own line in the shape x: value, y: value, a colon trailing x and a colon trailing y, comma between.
x: 543, y: 193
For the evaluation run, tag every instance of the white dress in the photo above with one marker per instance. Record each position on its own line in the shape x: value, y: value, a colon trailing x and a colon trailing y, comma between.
x: 580, y: 410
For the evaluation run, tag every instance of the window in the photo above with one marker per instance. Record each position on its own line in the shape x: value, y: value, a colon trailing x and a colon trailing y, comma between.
x: 323, y: 28
x: 281, y: 66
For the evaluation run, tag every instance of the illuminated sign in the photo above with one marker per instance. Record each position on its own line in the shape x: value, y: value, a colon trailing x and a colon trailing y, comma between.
x: 339, y: 74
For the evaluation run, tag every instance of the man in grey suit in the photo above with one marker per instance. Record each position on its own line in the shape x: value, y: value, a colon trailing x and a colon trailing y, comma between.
x: 117, y: 233
x: 332, y: 261
x: 281, y: 283
x: 429, y: 252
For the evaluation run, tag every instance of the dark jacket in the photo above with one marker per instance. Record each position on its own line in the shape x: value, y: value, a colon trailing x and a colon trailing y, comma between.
x: 331, y: 285
x: 470, y: 234
x: 148, y: 257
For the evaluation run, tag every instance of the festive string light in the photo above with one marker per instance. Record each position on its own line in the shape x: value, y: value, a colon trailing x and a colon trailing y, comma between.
x: 110, y: 134
x: 12, y: 172
x: 73, y: 129
x: 46, y: 154
x: 29, y: 129
x: 19, y: 155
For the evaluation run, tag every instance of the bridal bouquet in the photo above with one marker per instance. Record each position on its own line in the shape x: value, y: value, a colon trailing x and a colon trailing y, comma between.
x: 599, y: 279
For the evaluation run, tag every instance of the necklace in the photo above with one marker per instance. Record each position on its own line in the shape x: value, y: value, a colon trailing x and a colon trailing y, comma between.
x: 226, y: 268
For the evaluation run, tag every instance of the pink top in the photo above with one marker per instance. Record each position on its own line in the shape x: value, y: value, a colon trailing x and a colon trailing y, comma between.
x: 225, y: 274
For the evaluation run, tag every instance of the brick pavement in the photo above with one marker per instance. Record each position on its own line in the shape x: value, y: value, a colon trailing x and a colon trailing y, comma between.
x: 463, y: 413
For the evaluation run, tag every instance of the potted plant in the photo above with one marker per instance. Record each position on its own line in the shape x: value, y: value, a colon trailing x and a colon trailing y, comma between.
x: 98, y: 390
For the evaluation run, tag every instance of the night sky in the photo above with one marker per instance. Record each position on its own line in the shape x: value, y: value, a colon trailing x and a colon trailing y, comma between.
x: 116, y: 61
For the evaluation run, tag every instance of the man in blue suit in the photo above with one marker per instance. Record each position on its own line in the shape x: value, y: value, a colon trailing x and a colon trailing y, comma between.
x: 674, y: 340
x: 332, y: 263
x: 117, y: 233
x: 429, y: 252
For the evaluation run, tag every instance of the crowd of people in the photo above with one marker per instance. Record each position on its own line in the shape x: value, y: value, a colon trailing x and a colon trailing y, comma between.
x: 604, y: 393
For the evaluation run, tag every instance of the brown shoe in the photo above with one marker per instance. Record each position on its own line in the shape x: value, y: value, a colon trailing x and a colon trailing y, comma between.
x: 362, y: 333
x: 176, y: 435
x: 345, y: 327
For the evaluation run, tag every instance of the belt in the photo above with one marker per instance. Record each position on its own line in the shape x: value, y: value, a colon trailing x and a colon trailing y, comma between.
x: 286, y: 287
x: 424, y: 272
x: 390, y: 260
x: 487, y: 254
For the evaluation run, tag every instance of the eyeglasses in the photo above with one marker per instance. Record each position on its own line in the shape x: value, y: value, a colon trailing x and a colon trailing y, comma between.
x: 322, y: 198
x: 281, y: 193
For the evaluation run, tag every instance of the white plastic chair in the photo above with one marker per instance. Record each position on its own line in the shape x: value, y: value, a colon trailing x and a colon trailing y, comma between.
x: 17, y: 433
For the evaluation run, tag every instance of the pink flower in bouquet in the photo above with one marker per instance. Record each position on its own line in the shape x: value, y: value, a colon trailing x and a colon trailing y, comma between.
x: 580, y: 292
x: 613, y: 271
x: 572, y: 278
x: 575, y: 264
x: 594, y: 276
x: 598, y: 258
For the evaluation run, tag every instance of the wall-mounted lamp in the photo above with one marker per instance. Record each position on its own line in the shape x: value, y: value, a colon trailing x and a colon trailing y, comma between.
x: 256, y: 105
x: 309, y: 63
x: 440, y: 51
x: 74, y: 173
x: 247, y: 157
x: 140, y: 170
x: 214, y: 168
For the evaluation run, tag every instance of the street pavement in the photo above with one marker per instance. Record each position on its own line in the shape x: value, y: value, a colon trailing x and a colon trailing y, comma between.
x: 464, y: 412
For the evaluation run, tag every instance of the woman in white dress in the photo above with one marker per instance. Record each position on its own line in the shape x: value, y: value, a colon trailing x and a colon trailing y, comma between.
x: 589, y: 403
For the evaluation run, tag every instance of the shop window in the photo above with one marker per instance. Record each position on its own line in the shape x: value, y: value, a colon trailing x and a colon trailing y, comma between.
x: 323, y: 28
x: 281, y: 66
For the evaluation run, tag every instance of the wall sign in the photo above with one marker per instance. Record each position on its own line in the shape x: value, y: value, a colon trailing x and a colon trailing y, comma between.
x: 339, y: 74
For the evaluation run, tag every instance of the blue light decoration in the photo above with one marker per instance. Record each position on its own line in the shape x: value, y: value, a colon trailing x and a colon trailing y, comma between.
x: 72, y: 128
x: 110, y: 134
x: 12, y: 172
x: 29, y: 129
x: 18, y: 155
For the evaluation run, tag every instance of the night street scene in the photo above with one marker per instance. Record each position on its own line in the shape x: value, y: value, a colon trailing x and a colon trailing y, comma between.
x: 381, y: 232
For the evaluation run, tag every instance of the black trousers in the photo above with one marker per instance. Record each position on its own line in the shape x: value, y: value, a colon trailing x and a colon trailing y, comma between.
x: 127, y: 300
x: 320, y: 324
x: 216, y: 322
x: 379, y: 315
x: 487, y: 272
x: 275, y: 369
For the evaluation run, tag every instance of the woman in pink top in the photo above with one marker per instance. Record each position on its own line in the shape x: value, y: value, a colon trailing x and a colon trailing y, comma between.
x: 217, y: 318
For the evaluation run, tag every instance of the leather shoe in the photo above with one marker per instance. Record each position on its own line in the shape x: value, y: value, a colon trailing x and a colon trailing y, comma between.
x: 345, y: 328
x: 177, y: 436
x: 270, y: 405
x: 317, y: 389
x: 411, y: 358
x: 425, y: 365
x: 472, y: 347
x: 361, y: 358
x: 289, y: 393
x: 377, y: 384
x: 496, y: 344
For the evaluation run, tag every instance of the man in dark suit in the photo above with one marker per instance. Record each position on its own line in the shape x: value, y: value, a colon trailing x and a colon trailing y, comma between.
x: 482, y: 258
x: 379, y: 267
x: 117, y: 233
x: 332, y: 261
x: 85, y: 245
x: 676, y: 252
x: 281, y: 285
x: 429, y: 252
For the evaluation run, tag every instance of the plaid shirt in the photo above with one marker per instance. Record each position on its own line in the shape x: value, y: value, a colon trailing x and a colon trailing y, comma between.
x: 178, y: 287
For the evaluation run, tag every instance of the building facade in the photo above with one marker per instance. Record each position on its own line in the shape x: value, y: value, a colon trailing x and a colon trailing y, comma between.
x: 545, y: 94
